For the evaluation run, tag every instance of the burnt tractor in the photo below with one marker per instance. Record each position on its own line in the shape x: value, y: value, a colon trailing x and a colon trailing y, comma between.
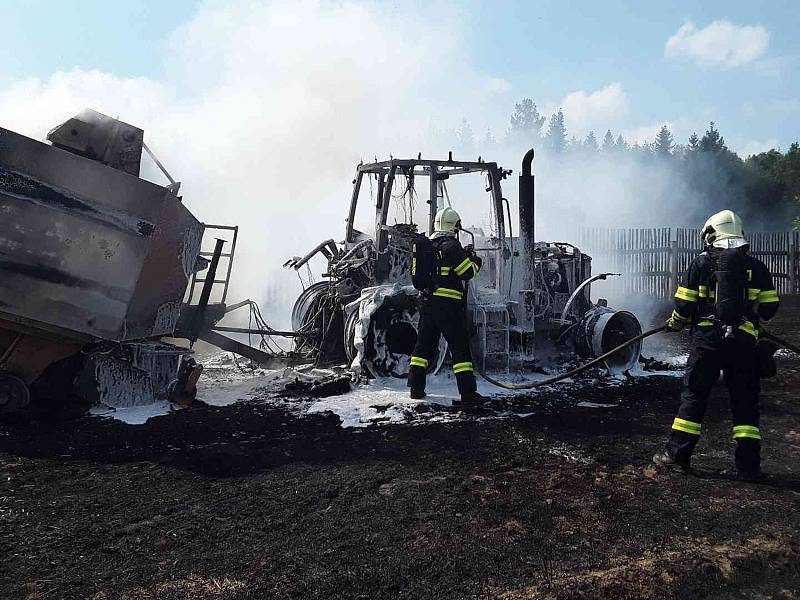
x: 529, y: 304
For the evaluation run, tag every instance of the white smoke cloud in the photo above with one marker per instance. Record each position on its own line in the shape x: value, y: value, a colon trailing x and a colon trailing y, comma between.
x: 751, y: 147
x: 721, y: 43
x: 603, y: 108
x: 646, y: 133
x: 266, y: 108
x: 499, y: 85
x: 34, y: 106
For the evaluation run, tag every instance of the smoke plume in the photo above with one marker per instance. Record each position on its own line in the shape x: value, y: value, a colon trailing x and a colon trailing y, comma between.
x: 265, y: 108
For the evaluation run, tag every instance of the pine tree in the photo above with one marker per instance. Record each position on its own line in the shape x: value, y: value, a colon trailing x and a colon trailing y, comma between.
x: 664, y: 143
x: 621, y: 145
x: 772, y: 181
x: 590, y: 143
x: 526, y: 122
x: 694, y: 142
x: 557, y: 133
x: 788, y: 172
x: 642, y: 150
x: 573, y: 145
x: 608, y: 142
x: 489, y: 139
x: 712, y: 141
x: 465, y: 138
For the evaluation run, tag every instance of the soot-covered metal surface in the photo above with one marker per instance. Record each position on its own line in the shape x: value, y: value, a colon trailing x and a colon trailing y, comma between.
x: 87, y: 250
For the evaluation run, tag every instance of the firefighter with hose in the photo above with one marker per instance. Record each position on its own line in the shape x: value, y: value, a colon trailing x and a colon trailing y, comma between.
x: 727, y: 297
x: 440, y: 269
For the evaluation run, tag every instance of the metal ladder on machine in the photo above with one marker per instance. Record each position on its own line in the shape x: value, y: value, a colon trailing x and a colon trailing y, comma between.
x: 206, y: 284
x: 225, y: 255
x: 494, y: 330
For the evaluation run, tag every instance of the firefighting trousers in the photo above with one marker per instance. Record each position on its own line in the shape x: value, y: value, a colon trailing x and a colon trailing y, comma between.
x: 442, y: 316
x: 736, y: 360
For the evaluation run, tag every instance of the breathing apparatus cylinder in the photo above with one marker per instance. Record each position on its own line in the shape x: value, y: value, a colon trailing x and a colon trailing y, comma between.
x: 731, y: 290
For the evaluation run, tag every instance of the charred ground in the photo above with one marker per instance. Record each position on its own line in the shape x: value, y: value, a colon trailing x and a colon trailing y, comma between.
x: 249, y: 501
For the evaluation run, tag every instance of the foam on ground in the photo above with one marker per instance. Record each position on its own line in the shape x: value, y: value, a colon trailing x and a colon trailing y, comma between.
x: 381, y: 401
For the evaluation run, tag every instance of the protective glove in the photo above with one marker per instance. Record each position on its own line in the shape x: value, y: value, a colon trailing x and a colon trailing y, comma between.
x: 676, y: 322
x: 765, y: 351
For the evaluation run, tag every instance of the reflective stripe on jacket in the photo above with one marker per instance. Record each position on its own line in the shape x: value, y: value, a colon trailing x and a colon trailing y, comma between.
x: 696, y: 296
x: 455, y: 267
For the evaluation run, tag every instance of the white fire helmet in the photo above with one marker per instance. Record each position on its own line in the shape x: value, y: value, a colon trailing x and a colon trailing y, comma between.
x: 724, y: 230
x: 447, y: 220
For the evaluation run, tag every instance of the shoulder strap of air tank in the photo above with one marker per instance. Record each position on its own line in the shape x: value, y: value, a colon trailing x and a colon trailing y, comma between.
x: 440, y: 246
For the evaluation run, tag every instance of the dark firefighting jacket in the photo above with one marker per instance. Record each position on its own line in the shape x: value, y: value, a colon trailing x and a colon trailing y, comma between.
x: 695, y: 298
x: 455, y: 267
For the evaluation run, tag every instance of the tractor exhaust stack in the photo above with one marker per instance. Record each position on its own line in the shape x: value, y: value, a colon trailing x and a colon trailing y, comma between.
x: 526, y: 218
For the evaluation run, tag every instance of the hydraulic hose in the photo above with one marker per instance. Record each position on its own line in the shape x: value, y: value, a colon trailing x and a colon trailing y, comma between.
x: 550, y: 380
x: 780, y: 341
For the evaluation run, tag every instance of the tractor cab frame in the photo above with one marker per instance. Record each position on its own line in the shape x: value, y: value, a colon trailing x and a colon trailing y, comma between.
x: 529, y: 299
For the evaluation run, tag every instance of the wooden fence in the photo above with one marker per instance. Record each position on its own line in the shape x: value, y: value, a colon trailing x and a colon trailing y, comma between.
x: 652, y: 261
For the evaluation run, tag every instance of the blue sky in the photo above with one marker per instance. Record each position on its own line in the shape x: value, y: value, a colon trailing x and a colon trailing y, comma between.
x: 556, y: 47
x: 126, y: 38
x: 544, y: 49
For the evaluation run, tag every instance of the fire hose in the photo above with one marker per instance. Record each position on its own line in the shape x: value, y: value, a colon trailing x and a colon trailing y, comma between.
x: 593, y: 363
x: 781, y: 342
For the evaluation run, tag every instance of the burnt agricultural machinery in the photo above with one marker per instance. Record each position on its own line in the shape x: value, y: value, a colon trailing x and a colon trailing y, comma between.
x: 97, y: 265
x: 100, y: 270
x: 530, y: 302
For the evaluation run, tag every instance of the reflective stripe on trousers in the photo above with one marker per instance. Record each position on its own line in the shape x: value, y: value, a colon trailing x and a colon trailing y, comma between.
x: 448, y: 293
x: 746, y: 431
x: 417, y: 361
x: 686, y: 426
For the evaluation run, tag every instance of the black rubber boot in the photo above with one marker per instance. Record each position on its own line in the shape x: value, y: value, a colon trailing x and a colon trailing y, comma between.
x: 748, y: 459
x: 418, y: 394
x: 471, y: 402
x: 664, y: 460
x: 751, y: 476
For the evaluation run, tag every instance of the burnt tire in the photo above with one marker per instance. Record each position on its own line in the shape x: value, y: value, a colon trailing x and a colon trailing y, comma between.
x: 349, y: 335
x: 390, y: 338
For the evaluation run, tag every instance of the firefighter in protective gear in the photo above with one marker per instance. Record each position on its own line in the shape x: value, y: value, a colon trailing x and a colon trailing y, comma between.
x: 442, y: 312
x: 715, y: 348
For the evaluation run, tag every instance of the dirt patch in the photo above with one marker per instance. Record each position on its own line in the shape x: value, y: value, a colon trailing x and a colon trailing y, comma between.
x: 249, y: 501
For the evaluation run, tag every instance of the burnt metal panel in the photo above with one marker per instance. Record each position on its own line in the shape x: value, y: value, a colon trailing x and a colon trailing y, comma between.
x: 88, y: 250
x: 102, y: 138
x: 27, y: 355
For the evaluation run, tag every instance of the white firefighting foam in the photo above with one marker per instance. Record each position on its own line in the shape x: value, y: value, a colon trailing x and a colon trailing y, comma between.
x: 381, y: 401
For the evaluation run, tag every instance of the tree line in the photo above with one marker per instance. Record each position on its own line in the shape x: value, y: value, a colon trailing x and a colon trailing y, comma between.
x: 765, y: 187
